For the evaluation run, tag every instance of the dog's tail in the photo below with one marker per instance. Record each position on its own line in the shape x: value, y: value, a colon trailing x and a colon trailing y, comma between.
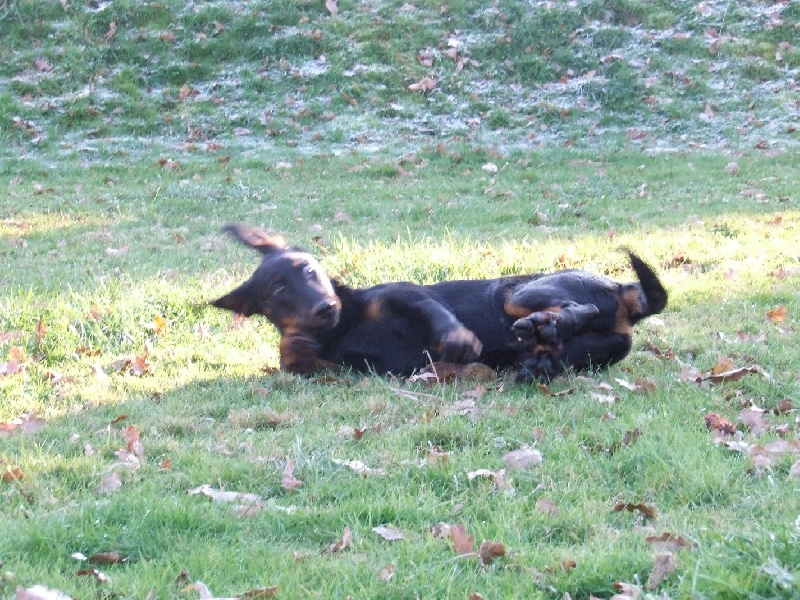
x: 652, y: 289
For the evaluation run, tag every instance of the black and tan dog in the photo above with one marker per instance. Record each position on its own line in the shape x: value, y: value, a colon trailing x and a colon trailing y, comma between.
x: 539, y: 324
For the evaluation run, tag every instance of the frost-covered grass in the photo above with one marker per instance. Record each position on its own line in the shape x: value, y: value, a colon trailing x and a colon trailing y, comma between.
x: 222, y: 76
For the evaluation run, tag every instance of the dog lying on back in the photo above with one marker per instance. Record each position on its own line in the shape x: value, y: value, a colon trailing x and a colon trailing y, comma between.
x: 540, y: 324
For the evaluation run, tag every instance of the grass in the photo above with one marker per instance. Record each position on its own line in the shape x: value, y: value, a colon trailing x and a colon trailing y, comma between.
x: 127, y: 148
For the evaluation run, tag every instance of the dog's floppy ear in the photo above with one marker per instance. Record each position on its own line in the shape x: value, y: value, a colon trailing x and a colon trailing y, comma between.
x: 239, y: 301
x: 256, y: 238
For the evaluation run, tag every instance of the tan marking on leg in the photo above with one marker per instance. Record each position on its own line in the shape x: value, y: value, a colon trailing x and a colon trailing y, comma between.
x: 519, y: 312
x: 374, y: 310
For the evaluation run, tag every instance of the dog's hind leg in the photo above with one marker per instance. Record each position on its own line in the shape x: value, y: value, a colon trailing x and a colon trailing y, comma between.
x: 554, y: 325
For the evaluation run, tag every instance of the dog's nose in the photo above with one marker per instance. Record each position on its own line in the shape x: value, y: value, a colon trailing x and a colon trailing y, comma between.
x: 324, y: 309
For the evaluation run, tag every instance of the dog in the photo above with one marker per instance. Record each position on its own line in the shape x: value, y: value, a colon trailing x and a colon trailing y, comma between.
x: 539, y: 324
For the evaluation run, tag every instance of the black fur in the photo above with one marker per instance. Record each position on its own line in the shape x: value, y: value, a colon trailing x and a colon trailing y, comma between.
x: 540, y: 323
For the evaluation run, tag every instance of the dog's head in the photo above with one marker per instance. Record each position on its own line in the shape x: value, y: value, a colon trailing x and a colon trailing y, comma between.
x: 289, y: 288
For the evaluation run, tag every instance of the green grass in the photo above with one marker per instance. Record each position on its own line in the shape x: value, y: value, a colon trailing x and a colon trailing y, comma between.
x: 125, y: 150
x: 208, y: 409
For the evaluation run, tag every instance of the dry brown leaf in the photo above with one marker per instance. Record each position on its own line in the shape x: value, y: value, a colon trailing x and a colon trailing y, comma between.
x: 386, y: 573
x: 96, y: 573
x: 794, y: 471
x: 645, y: 510
x: 107, y: 558
x: 489, y: 551
x: 547, y: 506
x: 358, y: 466
x: 332, y: 7
x: 223, y: 496
x: 347, y: 537
x: 668, y: 542
x: 727, y: 376
x: 777, y: 314
x: 441, y: 530
x: 465, y: 407
x: 753, y: 418
x: 781, y: 447
x: 424, y: 85
x: 716, y: 422
x: 524, y: 458
x: 664, y: 565
x: 462, y: 543
x: 390, y: 534
x: 12, y: 474
x: 110, y: 483
x: 722, y: 365
x: 626, y: 591
x: 499, y: 477
x: 289, y: 481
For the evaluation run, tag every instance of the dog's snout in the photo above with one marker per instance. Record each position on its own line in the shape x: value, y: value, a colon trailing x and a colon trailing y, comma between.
x: 324, y: 309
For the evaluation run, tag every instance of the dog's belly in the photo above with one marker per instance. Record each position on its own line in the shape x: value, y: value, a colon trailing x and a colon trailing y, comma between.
x: 396, y: 346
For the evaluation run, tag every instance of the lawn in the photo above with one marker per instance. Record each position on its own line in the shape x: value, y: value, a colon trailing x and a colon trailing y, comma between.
x: 150, y: 448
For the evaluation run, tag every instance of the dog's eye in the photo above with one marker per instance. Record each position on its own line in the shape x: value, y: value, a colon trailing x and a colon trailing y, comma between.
x: 278, y: 290
x: 309, y: 271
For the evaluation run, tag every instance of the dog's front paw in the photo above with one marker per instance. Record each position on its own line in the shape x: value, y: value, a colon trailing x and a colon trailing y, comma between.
x: 459, y: 346
x: 540, y: 327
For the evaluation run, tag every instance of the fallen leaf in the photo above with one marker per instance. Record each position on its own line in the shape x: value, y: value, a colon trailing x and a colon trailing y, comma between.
x: 386, y: 573
x: 223, y: 496
x: 716, y: 422
x: 524, y: 458
x: 664, y: 565
x: 645, y: 510
x: 777, y: 314
x: 547, y: 506
x: 107, y: 558
x: 441, y: 530
x: 358, y: 466
x: 109, y: 483
x: 267, y: 592
x: 722, y: 365
x: 781, y: 447
x: 727, y: 376
x: 462, y: 543
x: 97, y: 574
x: 289, y: 482
x: 389, y: 533
x: 794, y: 471
x: 12, y: 474
x: 498, y: 476
x: 753, y: 418
x: 626, y: 591
x: 489, y: 551
x: 332, y: 7
x: 140, y: 366
x: 668, y: 542
x: 424, y: 85
x: 465, y: 407
x: 347, y: 537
